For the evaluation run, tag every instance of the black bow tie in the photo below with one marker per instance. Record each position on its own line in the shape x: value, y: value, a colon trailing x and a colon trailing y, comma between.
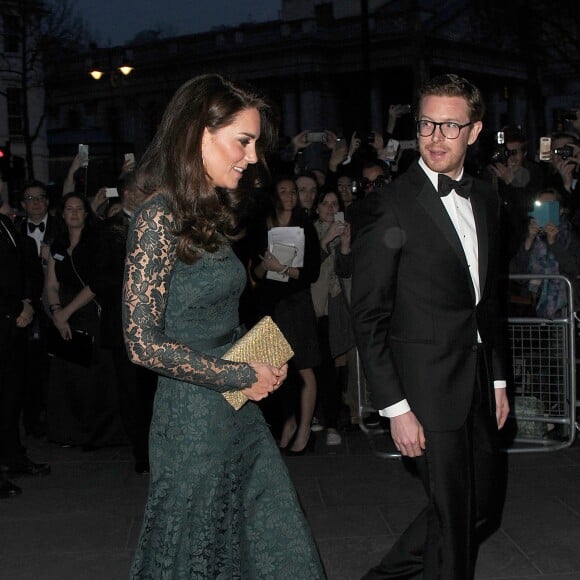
x: 32, y: 227
x: 461, y: 187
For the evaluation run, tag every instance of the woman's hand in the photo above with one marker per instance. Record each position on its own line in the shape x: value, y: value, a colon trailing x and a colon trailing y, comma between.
x: 300, y: 141
x: 336, y: 229
x: 271, y: 263
x: 65, y: 330
x: 345, y: 239
x: 268, y: 379
x: 26, y: 316
x: 60, y: 317
x: 99, y: 199
x: 338, y: 154
x: 552, y: 232
x: 533, y: 231
x: 354, y: 145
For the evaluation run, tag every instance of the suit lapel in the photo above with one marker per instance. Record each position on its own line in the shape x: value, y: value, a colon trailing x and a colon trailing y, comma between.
x: 431, y: 202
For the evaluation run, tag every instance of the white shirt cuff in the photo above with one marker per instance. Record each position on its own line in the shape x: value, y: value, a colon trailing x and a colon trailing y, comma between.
x: 395, y: 410
x: 403, y: 407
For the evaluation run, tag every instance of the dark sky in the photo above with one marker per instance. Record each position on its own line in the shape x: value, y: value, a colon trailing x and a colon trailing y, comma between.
x: 113, y: 22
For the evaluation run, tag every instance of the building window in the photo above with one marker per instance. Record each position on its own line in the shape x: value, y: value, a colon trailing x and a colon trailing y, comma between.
x: 11, y: 33
x: 15, y: 111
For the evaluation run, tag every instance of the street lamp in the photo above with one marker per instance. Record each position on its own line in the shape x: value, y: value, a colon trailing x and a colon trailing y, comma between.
x: 97, y: 73
x: 116, y: 69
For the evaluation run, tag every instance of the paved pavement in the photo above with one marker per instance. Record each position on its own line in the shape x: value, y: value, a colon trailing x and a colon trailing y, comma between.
x: 82, y: 522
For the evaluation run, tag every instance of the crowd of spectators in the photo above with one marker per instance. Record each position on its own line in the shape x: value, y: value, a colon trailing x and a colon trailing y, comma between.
x: 315, y: 184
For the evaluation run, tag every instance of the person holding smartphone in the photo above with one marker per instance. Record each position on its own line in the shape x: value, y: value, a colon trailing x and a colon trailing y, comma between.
x: 553, y: 248
x: 335, y: 334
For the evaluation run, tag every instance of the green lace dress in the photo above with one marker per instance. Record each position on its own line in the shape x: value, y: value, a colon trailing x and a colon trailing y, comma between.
x: 221, y: 504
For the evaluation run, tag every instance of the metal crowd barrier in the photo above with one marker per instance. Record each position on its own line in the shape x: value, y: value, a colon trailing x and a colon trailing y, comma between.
x: 542, y: 392
x: 543, y: 356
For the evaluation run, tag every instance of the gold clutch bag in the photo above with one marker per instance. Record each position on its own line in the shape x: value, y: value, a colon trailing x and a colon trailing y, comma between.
x: 263, y: 343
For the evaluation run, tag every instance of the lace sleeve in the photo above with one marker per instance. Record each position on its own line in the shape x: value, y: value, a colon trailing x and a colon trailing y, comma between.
x: 150, y: 257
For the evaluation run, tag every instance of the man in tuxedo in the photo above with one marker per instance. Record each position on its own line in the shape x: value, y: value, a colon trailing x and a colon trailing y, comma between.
x: 41, y: 227
x: 425, y: 260
x: 20, y: 287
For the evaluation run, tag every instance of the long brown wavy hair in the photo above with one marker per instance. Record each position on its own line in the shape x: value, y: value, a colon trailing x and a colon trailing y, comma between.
x: 173, y: 165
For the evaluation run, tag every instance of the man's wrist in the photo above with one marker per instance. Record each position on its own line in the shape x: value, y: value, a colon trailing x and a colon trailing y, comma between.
x: 396, y: 409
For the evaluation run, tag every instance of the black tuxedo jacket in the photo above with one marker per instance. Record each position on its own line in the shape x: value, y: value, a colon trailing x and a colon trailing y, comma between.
x: 20, y: 272
x: 413, y: 300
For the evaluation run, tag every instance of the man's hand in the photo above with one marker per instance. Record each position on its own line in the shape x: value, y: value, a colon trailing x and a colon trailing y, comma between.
x: 502, y: 407
x: 26, y: 316
x: 504, y: 172
x: 408, y: 435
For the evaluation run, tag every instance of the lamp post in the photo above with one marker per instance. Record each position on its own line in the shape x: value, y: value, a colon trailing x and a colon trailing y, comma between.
x: 116, y: 70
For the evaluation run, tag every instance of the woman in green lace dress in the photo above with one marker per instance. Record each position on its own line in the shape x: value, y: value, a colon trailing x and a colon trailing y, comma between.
x: 221, y: 504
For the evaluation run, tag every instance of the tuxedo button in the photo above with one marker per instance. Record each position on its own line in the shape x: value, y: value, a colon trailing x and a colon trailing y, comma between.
x: 474, y: 348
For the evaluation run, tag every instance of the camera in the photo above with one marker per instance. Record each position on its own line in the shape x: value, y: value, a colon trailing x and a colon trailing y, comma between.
x: 501, y: 154
x: 316, y: 137
x: 564, y: 152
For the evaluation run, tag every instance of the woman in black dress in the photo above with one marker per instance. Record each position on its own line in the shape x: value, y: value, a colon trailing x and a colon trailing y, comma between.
x: 81, y: 402
x: 290, y: 304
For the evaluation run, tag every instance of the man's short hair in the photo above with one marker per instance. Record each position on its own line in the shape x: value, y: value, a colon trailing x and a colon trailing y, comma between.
x: 452, y: 85
x: 35, y: 183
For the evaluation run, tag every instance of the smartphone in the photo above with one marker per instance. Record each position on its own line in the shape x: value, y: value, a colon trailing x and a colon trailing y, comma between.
x: 339, y: 216
x: 112, y: 192
x: 546, y: 212
x: 316, y: 137
x: 84, y: 153
x: 130, y: 157
x: 391, y: 150
x: 545, y: 148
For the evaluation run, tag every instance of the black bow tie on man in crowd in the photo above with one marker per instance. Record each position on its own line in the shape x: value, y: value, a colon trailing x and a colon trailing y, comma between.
x: 32, y: 227
x: 461, y: 187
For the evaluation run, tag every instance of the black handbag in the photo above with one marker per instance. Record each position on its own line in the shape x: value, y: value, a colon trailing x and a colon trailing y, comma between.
x: 78, y: 350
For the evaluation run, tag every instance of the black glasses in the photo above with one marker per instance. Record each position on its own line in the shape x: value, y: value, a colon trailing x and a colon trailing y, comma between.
x: 449, y: 129
x: 35, y: 197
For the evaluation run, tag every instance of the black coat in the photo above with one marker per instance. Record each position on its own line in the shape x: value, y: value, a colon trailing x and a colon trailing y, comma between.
x: 20, y: 271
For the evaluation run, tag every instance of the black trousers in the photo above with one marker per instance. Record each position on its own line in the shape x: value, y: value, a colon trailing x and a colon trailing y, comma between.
x: 463, y: 474
x: 12, y: 348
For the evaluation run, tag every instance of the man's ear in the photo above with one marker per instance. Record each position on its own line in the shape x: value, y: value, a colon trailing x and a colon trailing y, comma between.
x: 474, y: 132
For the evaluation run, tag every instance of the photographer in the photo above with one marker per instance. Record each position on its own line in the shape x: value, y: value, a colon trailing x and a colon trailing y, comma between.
x: 516, y: 180
x: 564, y: 161
x: 550, y: 249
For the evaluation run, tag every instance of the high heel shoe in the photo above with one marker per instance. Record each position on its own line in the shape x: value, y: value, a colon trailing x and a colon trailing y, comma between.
x: 309, y: 447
